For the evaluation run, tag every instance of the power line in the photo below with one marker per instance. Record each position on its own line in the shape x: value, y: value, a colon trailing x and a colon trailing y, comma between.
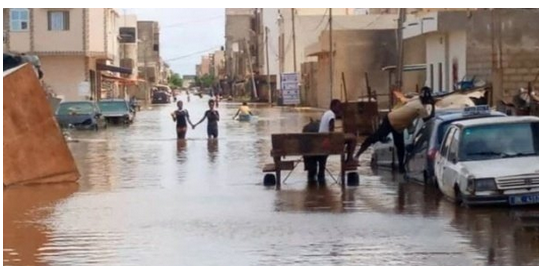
x: 195, y: 53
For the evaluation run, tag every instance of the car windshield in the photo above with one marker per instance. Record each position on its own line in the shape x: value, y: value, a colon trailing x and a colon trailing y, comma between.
x: 113, y: 107
x: 489, y: 142
x: 75, y: 108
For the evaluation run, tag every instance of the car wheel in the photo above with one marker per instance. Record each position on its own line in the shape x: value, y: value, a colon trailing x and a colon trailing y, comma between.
x: 458, y: 196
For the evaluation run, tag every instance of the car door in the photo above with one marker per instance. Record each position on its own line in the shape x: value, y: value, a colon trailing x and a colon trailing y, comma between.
x: 450, y: 169
x: 441, y: 160
x: 415, y: 164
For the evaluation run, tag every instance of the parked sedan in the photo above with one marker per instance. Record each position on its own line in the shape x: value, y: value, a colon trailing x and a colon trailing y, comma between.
x: 426, y: 141
x: 159, y: 96
x: 80, y: 115
x: 116, y: 111
x: 491, y: 160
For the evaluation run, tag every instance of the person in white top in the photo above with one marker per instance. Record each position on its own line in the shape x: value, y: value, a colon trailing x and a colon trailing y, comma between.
x: 327, y: 125
x: 399, y: 119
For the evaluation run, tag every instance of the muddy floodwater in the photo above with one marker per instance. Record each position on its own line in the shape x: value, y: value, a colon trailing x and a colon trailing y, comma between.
x: 146, y: 199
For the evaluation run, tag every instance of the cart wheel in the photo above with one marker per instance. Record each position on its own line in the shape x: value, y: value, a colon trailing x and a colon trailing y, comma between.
x: 269, y: 180
x: 352, y: 179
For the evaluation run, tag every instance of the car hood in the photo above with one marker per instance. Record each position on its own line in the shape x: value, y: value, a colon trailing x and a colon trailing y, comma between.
x: 503, y: 167
x: 73, y: 119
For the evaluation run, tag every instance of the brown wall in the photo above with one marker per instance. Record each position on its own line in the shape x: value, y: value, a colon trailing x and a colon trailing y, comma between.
x: 504, y: 43
x: 356, y: 52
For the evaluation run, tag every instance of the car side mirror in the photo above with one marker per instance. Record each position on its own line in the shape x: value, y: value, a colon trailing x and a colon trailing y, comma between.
x: 98, y: 115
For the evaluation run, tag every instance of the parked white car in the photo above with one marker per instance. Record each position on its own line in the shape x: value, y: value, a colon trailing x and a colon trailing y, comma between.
x: 490, y: 161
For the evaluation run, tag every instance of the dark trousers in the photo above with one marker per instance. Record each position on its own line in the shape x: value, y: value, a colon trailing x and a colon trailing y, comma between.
x: 316, y: 167
x: 382, y: 132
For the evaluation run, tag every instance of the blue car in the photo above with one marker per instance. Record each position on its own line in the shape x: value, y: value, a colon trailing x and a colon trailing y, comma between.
x: 80, y: 115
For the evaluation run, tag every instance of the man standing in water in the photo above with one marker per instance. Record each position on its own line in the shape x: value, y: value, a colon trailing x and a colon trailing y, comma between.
x: 399, y: 119
x: 181, y: 117
x: 213, y: 118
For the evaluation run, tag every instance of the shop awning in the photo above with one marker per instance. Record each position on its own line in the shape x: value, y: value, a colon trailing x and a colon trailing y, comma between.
x: 120, y: 79
x: 121, y: 70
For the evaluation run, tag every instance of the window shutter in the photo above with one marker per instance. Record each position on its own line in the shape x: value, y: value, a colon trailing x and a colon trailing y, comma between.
x: 49, y: 20
x: 66, y: 20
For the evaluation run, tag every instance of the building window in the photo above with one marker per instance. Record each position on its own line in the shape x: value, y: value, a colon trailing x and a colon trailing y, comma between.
x: 58, y: 20
x: 19, y: 18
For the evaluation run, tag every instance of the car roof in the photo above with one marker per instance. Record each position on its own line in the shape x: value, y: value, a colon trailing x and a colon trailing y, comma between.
x: 460, y: 115
x: 496, y: 120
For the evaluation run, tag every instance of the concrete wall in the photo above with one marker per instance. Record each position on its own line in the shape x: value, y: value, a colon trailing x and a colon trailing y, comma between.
x: 503, y: 47
x: 456, y: 60
x: 63, y: 74
x: 112, y: 33
x: 97, y: 29
x: 414, y: 53
x: 309, y: 27
x: 436, y: 61
x: 237, y: 30
x: 65, y: 41
x: 356, y: 52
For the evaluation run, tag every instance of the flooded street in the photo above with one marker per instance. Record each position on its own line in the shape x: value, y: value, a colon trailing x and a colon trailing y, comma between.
x: 146, y: 199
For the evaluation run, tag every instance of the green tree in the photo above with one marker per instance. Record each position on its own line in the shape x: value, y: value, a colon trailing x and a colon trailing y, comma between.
x: 176, y: 80
x: 205, y: 81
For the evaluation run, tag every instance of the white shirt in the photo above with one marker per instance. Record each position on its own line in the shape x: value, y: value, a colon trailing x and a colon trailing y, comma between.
x: 324, y: 122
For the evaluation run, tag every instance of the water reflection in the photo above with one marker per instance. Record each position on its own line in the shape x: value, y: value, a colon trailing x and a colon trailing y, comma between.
x: 310, y: 199
x: 25, y: 208
x: 213, y: 149
x: 142, y: 201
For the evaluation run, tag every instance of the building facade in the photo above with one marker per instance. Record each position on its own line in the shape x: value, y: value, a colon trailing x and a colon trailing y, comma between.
x: 72, y: 44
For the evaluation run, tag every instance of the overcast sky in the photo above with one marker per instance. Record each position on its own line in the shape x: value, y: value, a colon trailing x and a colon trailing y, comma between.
x: 185, y: 32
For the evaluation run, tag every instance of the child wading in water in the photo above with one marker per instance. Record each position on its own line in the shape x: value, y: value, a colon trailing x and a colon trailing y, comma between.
x: 213, y: 118
x: 181, y: 117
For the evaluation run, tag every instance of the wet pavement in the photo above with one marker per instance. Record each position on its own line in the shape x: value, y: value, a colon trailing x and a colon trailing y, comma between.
x: 146, y: 199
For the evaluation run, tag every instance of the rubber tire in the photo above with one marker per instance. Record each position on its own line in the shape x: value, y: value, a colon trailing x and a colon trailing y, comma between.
x: 269, y: 180
x: 352, y: 179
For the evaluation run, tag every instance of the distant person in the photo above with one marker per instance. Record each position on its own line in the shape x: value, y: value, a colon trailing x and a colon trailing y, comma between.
x: 397, y: 120
x: 243, y: 111
x: 213, y: 117
x: 181, y: 117
x: 188, y: 96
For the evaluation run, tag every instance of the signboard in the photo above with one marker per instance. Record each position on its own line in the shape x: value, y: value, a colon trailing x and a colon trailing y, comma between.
x: 290, y: 88
x: 84, y: 88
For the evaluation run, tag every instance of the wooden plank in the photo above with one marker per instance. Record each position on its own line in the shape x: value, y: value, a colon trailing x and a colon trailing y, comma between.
x: 360, y: 117
x: 285, y: 165
x: 307, y: 144
x: 35, y: 150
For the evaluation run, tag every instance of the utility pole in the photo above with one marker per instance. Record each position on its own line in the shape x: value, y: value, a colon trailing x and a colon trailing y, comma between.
x: 400, y: 56
x: 146, y: 90
x: 400, y: 48
x: 251, y: 66
x: 294, y: 38
x: 270, y: 94
x: 330, y: 53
